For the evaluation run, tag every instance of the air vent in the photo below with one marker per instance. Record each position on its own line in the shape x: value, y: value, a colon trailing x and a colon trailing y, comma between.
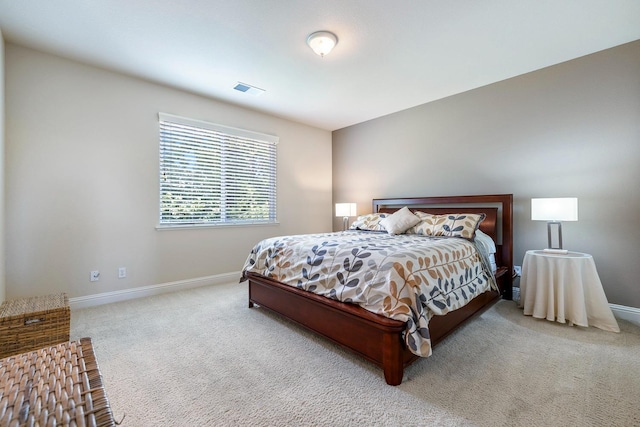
x: 243, y: 87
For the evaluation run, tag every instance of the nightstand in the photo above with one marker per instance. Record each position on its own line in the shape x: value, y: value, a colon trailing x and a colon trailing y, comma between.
x: 565, y: 288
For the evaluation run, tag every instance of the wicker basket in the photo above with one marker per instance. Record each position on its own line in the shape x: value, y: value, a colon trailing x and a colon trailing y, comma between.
x: 57, y: 385
x: 31, y: 323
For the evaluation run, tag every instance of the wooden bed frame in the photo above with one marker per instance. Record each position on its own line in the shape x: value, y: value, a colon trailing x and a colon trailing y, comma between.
x: 379, y: 339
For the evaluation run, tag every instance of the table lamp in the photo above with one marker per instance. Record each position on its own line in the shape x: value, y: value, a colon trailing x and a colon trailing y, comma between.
x: 345, y: 210
x: 554, y: 211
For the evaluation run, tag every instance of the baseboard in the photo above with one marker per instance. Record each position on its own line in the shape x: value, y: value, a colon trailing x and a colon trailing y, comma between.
x: 145, y: 291
x: 630, y: 314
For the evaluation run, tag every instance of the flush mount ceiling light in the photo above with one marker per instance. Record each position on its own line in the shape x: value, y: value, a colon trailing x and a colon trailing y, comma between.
x: 322, y: 42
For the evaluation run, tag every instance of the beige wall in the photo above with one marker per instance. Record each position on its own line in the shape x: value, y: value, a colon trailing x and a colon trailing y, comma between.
x: 82, y: 180
x: 2, y: 173
x: 568, y: 130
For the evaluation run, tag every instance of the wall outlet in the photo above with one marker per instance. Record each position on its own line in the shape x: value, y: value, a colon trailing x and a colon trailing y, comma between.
x: 122, y: 272
x: 517, y: 270
x: 94, y: 276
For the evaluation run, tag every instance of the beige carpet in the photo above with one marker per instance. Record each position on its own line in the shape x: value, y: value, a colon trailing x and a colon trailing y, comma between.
x: 202, y: 358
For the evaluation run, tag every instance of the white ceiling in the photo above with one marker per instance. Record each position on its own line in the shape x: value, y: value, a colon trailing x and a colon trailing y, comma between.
x: 391, y: 54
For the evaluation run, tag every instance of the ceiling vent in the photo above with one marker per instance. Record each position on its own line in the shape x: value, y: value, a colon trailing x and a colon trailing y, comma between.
x: 243, y: 87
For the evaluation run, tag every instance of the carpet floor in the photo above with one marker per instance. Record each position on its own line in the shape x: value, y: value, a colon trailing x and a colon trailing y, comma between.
x: 200, y: 357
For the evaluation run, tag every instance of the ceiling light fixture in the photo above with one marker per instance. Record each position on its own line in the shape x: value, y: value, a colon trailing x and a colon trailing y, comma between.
x: 322, y: 42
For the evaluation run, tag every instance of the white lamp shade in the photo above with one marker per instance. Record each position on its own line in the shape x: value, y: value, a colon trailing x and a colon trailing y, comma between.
x: 345, y: 209
x: 554, y: 209
x: 322, y: 42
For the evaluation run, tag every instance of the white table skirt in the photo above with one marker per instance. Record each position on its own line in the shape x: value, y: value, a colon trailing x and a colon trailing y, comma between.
x: 565, y: 288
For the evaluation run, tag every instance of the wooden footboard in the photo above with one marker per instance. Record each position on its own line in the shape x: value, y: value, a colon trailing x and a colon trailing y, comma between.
x: 376, y: 338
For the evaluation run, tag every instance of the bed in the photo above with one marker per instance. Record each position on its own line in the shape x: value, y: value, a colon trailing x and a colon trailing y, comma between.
x: 384, y: 341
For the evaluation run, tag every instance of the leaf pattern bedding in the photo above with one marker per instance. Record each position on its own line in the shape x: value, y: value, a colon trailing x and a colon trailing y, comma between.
x: 405, y: 277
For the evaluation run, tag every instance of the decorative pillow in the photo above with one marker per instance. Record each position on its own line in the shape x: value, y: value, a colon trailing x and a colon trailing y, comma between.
x: 449, y: 225
x: 400, y: 221
x: 370, y: 222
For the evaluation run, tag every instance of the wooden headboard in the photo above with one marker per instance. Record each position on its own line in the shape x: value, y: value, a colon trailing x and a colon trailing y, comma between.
x: 498, y: 223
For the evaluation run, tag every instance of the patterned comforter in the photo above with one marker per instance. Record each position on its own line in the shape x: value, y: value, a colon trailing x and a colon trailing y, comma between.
x: 405, y: 277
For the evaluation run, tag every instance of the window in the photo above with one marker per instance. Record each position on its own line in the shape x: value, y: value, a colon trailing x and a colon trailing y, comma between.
x: 215, y: 175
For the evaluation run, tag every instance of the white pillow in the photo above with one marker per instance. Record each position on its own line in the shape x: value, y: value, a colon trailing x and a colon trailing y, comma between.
x: 400, y: 221
x: 486, y: 241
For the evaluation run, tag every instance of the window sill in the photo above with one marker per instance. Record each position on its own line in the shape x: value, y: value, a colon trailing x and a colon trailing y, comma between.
x: 169, y: 227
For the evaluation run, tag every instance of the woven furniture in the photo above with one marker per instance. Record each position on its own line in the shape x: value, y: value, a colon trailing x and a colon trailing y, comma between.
x: 54, y: 386
x: 31, y: 323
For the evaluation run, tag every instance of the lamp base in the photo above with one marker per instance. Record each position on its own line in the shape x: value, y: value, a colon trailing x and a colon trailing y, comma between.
x: 559, y: 224
x: 555, y: 251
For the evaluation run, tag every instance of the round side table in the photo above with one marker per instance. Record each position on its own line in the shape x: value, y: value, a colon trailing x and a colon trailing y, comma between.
x: 564, y: 288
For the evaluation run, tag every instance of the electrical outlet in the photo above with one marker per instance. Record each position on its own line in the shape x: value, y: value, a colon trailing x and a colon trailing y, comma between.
x: 122, y: 272
x: 94, y: 276
x: 517, y: 270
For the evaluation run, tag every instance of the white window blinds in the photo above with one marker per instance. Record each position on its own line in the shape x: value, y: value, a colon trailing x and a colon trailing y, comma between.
x: 213, y: 175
